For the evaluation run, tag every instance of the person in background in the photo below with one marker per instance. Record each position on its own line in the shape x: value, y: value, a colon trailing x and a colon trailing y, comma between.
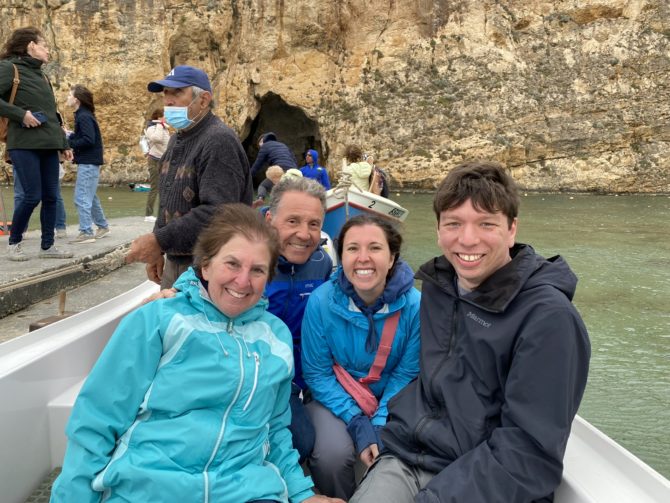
x: 204, y: 166
x: 356, y: 167
x: 149, y: 422
x: 311, y: 169
x: 158, y: 136
x: 504, y: 360
x: 35, y: 139
x: 343, y: 324
x: 378, y: 178
x: 272, y: 176
x: 272, y: 152
x: 292, y: 173
x: 86, y: 142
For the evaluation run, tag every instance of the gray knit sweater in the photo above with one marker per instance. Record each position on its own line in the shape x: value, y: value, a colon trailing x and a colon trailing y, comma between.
x: 202, y: 168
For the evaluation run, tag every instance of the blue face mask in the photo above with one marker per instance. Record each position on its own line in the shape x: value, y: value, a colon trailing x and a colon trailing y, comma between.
x: 177, y: 117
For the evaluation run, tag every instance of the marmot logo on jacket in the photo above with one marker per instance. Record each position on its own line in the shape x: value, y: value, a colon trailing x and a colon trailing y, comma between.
x: 476, y: 318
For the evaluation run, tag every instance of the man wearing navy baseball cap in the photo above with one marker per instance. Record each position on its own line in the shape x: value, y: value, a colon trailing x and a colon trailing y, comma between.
x: 182, y: 76
x: 204, y: 166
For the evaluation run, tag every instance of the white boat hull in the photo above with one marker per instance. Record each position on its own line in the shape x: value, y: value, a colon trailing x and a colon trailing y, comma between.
x: 40, y: 374
x: 36, y: 369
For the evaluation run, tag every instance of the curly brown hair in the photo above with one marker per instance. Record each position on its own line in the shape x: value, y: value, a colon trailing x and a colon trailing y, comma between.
x: 17, y: 43
x: 353, y: 153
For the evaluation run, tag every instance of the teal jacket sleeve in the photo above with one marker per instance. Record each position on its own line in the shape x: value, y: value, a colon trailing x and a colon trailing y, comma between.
x: 282, y: 454
x: 108, y: 403
x: 317, y: 361
x: 408, y: 337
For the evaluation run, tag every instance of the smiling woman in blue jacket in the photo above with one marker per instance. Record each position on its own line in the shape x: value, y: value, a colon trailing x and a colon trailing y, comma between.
x: 343, y: 322
x: 189, y: 401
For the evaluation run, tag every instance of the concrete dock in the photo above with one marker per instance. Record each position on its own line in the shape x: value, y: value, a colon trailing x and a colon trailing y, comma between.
x: 29, y: 291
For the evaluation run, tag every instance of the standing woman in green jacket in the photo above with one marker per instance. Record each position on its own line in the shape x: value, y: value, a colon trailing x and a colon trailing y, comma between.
x: 34, y: 137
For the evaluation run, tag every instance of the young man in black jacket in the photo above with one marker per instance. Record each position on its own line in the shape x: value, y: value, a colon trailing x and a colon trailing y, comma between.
x: 504, y: 361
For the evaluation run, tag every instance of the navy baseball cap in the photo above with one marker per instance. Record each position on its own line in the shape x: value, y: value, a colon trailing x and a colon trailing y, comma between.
x: 182, y: 76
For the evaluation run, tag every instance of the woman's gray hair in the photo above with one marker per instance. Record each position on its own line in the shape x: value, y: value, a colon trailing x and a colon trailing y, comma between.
x: 292, y: 184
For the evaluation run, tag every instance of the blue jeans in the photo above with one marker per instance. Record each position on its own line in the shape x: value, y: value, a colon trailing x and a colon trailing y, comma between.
x: 85, y: 199
x: 301, y: 426
x: 60, y: 205
x: 37, y: 174
x: 60, y: 211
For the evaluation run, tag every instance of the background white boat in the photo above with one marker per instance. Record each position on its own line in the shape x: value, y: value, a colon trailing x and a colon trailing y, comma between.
x: 41, y: 373
x: 344, y: 203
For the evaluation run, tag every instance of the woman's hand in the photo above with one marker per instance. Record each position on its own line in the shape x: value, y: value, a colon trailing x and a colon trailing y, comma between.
x: 29, y: 120
x: 369, y: 454
x: 317, y: 498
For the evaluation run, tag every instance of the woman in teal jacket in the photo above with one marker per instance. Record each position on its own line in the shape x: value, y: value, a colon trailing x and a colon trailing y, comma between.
x: 343, y: 323
x: 189, y: 401
x: 34, y: 138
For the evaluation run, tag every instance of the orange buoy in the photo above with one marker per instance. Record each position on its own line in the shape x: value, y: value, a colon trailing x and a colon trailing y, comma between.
x: 5, y: 227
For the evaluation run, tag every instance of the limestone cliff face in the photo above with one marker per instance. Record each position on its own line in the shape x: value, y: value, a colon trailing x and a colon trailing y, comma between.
x: 573, y: 95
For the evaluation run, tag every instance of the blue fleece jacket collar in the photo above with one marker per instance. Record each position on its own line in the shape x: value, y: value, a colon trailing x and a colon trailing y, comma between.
x: 399, y: 283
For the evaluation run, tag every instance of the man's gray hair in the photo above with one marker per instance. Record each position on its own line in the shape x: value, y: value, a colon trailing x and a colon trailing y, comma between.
x: 197, y: 91
x: 290, y: 184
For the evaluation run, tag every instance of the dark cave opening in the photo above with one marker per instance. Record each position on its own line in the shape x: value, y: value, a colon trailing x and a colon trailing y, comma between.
x: 292, y: 127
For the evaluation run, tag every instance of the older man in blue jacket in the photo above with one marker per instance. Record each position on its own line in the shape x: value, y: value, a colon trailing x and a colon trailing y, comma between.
x: 297, y: 208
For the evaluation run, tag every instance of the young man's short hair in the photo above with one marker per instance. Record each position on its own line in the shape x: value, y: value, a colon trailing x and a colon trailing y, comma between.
x: 486, y: 184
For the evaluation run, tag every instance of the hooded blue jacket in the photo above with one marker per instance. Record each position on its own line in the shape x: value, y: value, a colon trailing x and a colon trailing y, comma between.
x: 289, y: 291
x: 335, y: 330
x: 503, y: 370
x: 316, y: 172
x: 186, y: 404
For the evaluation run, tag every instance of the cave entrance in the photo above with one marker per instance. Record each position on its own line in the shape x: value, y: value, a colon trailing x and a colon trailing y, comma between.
x: 292, y: 127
